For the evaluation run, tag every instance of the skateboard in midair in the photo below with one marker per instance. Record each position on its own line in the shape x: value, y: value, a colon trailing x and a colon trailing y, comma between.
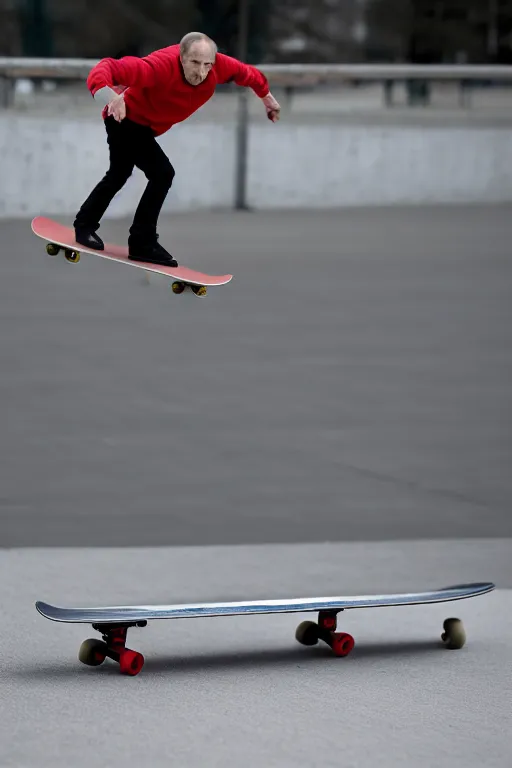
x: 60, y: 238
x: 113, y: 622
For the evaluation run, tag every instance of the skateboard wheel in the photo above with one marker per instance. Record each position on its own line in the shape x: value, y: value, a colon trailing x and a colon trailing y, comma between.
x: 200, y: 290
x: 130, y: 662
x: 454, y: 635
x: 342, y: 643
x: 92, y: 652
x: 307, y: 633
x: 72, y: 256
x: 52, y: 249
x: 178, y: 287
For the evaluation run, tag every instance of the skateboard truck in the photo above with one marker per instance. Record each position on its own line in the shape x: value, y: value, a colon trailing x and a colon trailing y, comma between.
x: 310, y: 632
x: 93, y: 651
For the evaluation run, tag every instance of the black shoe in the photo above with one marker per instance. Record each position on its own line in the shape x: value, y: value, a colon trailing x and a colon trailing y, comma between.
x: 89, y: 239
x: 152, y: 254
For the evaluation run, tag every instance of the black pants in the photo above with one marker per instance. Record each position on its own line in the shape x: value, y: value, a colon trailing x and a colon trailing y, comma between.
x: 130, y: 145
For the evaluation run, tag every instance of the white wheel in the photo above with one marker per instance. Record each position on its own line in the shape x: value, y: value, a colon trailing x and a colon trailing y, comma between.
x: 454, y: 635
x: 92, y: 652
x: 307, y: 633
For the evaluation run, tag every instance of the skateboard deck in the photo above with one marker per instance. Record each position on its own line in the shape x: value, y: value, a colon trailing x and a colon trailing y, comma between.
x: 61, y: 238
x: 113, y: 621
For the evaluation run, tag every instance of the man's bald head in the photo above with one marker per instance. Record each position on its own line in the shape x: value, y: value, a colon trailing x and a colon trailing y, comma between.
x: 196, y: 37
x: 197, y: 54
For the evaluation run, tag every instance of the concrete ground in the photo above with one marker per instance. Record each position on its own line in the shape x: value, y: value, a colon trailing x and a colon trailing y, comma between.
x: 350, y: 383
x: 334, y: 421
x: 239, y: 691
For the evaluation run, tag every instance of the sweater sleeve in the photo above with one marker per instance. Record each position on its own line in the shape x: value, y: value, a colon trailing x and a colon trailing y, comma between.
x: 230, y: 70
x: 127, y: 71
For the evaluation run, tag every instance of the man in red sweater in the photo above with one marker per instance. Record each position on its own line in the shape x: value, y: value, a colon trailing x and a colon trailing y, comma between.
x: 143, y: 98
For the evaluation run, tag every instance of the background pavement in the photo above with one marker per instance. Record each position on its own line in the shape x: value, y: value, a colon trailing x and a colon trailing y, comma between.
x: 350, y: 383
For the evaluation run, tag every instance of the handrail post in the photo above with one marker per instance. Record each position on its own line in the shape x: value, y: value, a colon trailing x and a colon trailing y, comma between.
x: 242, y: 127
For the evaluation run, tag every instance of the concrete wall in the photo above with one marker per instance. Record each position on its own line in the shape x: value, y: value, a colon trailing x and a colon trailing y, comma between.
x: 49, y: 164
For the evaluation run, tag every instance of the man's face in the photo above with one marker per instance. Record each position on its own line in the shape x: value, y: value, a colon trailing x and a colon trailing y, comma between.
x: 197, y: 62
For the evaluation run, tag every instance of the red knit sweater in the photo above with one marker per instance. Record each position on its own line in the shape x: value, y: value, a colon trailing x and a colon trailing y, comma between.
x: 157, y: 93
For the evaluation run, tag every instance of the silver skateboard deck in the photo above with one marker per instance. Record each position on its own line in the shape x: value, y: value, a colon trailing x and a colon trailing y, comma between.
x: 113, y: 621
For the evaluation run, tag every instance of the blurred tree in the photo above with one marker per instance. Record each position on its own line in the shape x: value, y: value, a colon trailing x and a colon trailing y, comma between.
x: 502, y: 33
x: 220, y: 19
x: 428, y: 31
x: 318, y: 30
x: 10, y: 31
x: 390, y: 25
x: 279, y: 30
x: 97, y: 28
x: 36, y: 29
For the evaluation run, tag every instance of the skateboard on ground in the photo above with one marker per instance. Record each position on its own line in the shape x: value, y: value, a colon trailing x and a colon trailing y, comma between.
x: 113, y: 622
x: 60, y: 238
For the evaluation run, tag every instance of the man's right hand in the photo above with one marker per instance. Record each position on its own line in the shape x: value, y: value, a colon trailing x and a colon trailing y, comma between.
x: 113, y: 100
x: 117, y: 108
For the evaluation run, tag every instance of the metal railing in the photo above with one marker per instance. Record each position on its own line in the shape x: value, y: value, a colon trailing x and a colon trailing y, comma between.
x: 286, y: 75
x: 13, y: 67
